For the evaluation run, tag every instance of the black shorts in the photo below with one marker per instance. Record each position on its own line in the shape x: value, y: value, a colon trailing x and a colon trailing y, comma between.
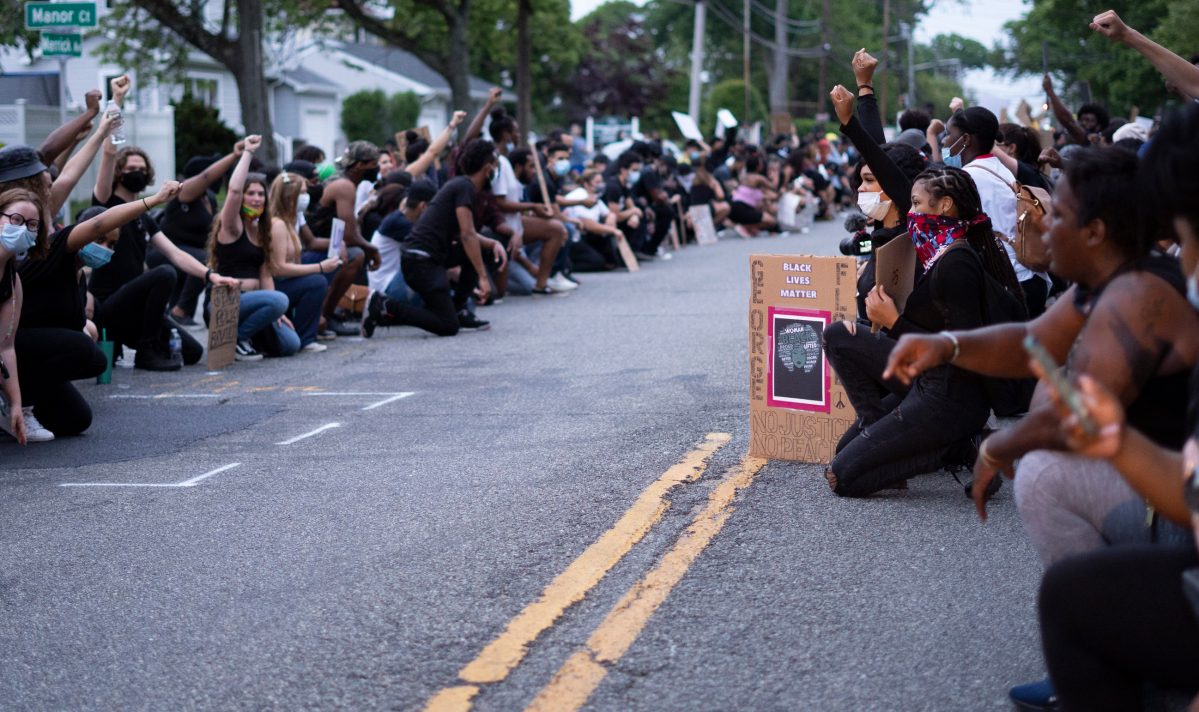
x: 744, y: 213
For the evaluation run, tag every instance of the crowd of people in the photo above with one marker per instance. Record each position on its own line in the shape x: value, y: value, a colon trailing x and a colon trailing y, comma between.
x: 1032, y: 250
x: 1085, y: 242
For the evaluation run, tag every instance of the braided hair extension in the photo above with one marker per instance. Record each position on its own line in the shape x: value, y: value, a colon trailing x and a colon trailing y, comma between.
x: 957, y: 185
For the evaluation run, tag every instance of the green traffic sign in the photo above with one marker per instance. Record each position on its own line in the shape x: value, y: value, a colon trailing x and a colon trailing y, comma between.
x: 58, y: 45
x: 45, y: 15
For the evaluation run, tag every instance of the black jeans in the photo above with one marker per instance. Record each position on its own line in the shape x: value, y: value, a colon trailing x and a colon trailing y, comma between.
x: 49, y: 359
x: 1115, y: 619
x: 663, y: 218
x: 135, y: 314
x: 439, y: 315
x: 186, y: 294
x: 899, y: 433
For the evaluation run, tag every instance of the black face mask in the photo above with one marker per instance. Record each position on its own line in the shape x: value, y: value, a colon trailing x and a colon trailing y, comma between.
x: 369, y: 176
x: 314, y: 197
x: 135, y: 181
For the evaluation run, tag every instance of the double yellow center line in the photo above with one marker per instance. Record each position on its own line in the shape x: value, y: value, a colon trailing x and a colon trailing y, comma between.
x: 579, y: 676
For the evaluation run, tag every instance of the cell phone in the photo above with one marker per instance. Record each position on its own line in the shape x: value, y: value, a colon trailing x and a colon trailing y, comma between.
x: 1066, y: 390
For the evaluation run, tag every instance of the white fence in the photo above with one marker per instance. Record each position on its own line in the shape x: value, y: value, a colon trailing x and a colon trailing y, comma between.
x: 153, y: 131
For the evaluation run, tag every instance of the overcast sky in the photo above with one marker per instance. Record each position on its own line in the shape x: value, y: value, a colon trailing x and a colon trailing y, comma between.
x: 978, y: 19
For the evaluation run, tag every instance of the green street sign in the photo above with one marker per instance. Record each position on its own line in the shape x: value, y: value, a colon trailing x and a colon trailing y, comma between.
x: 45, y: 15
x: 58, y: 45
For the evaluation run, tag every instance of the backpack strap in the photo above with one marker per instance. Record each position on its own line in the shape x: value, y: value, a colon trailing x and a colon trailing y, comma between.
x: 1014, y: 186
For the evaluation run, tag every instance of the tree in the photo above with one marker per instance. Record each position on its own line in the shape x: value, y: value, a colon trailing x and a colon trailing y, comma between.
x: 730, y: 95
x: 373, y: 116
x: 12, y: 27
x: 199, y: 130
x: 136, y: 39
x: 1106, y: 72
x: 436, y: 31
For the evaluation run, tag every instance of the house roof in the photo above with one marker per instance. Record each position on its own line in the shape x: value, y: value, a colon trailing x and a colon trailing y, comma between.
x: 406, y: 64
x: 36, y: 88
x: 302, y: 79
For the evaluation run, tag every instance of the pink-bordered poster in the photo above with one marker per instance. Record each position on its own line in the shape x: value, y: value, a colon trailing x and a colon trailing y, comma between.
x: 798, y: 376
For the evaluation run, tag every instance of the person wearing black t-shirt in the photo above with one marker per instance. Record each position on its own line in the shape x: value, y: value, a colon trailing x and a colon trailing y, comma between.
x: 446, y: 226
x: 131, y: 301
x: 618, y: 194
x: 187, y: 220
x: 651, y: 191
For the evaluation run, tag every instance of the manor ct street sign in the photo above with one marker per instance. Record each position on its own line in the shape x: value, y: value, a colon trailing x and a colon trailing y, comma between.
x: 43, y: 15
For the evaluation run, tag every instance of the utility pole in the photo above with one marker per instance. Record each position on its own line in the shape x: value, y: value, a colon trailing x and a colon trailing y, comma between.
x: 524, y: 84
x: 882, y: 61
x: 823, y: 88
x: 779, y: 101
x: 745, y: 59
x: 697, y: 61
x: 909, y: 35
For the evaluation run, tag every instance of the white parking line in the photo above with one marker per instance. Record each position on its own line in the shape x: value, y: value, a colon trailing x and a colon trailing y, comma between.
x: 385, y: 401
x: 318, y: 431
x: 160, y: 396
x: 186, y: 483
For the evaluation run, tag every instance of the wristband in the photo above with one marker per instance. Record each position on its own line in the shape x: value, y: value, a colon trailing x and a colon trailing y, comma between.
x: 986, y: 456
x: 146, y: 204
x: 208, y: 277
x: 320, y: 267
x: 866, y: 86
x: 957, y: 347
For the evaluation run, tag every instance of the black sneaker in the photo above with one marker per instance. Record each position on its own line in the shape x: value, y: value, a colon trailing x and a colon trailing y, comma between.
x: 245, y: 351
x: 470, y: 322
x: 341, y: 328
x: 185, y: 322
x: 147, y: 359
x: 372, y: 315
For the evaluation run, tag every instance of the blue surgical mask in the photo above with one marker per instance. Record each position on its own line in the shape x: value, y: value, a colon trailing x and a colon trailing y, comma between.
x: 1193, y: 291
x: 17, y: 239
x: 695, y: 156
x: 95, y: 256
x: 947, y: 157
x: 561, y: 167
x: 509, y: 146
x: 634, y: 176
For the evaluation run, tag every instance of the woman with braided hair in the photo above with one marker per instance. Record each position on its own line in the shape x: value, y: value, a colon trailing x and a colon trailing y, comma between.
x: 909, y: 430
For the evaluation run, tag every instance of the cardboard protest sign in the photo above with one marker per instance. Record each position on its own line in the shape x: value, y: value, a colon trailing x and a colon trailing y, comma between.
x: 798, y: 408
x: 626, y: 253
x: 225, y: 307
x: 895, y: 270
x: 701, y: 220
x: 337, y: 237
x: 687, y: 126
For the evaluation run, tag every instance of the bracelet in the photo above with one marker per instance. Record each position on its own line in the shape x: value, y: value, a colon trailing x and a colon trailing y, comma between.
x: 208, y: 276
x: 320, y: 267
x: 866, y: 86
x: 957, y: 347
x: 146, y: 204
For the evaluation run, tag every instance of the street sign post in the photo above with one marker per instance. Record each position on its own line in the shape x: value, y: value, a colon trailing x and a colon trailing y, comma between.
x: 46, y: 15
x: 61, y: 45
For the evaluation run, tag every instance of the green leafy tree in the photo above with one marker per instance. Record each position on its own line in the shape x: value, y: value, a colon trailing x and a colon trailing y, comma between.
x: 730, y: 94
x: 199, y: 130
x: 1109, y: 73
x: 372, y: 115
x: 12, y: 27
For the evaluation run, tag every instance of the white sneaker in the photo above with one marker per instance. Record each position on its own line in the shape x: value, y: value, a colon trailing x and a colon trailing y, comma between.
x: 314, y: 348
x: 35, y: 432
x: 558, y: 283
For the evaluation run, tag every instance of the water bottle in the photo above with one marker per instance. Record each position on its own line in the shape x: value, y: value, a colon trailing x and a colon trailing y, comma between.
x: 176, y: 344
x: 114, y: 112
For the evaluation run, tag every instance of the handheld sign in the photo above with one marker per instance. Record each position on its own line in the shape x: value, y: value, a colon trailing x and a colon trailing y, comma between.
x: 337, y: 237
x: 545, y: 195
x: 687, y: 126
x: 701, y: 220
x: 726, y: 118
x: 626, y: 253
x: 895, y: 271
x: 798, y: 408
x: 224, y: 308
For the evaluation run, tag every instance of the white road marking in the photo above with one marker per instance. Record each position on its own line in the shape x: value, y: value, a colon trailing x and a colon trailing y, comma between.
x: 318, y: 431
x: 131, y: 396
x: 186, y: 483
x: 385, y: 401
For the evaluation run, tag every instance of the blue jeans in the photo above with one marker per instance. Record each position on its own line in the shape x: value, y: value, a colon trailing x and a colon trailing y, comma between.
x: 311, y: 257
x: 259, y: 309
x: 305, y: 296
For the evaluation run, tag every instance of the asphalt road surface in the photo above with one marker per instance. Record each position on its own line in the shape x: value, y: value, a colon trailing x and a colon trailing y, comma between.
x: 556, y: 514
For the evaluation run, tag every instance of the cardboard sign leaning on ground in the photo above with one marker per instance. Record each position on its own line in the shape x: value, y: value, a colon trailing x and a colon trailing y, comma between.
x: 701, y: 220
x: 224, y: 306
x: 798, y: 408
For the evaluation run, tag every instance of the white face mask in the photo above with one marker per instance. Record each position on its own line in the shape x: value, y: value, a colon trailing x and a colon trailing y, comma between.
x: 302, y: 203
x: 1193, y: 291
x: 873, y: 207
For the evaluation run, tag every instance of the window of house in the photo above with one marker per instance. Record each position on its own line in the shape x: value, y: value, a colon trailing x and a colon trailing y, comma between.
x: 205, y: 90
